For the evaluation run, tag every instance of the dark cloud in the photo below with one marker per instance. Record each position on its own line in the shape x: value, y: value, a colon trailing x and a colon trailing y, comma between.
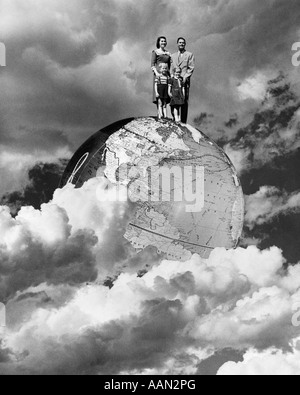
x: 71, y: 262
x: 5, y: 354
x: 74, y: 68
x: 43, y: 181
x: 68, y: 37
x: 233, y: 121
x: 267, y: 153
x: 282, y: 231
x: 282, y: 172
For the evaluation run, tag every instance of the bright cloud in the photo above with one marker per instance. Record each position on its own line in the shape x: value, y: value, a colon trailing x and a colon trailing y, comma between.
x: 269, y: 202
x: 253, y: 87
x: 270, y: 363
x: 170, y: 319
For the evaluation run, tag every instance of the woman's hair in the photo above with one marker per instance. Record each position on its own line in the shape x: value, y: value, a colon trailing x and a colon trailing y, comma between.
x: 158, y: 41
x: 178, y: 69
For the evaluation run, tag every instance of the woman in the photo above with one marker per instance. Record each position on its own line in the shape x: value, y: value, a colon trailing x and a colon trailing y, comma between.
x: 160, y: 55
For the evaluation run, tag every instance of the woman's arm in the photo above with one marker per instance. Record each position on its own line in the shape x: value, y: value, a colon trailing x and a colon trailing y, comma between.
x: 156, y: 88
x: 154, y: 63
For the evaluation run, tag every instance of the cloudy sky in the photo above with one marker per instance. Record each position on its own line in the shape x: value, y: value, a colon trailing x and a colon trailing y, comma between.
x: 78, y: 65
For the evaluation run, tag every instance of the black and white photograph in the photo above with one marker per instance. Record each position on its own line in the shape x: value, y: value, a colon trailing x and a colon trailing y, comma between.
x: 149, y: 190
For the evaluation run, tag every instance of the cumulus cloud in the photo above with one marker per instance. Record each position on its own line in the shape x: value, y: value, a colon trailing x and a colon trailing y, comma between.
x: 37, y: 247
x: 268, y: 203
x: 64, y: 241
x: 270, y: 363
x: 168, y: 319
x: 175, y: 309
x: 253, y: 87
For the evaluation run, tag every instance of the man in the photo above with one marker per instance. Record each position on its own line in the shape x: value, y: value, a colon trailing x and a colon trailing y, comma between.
x: 186, y: 61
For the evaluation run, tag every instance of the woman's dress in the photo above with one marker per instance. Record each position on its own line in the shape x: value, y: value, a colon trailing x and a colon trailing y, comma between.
x: 158, y: 57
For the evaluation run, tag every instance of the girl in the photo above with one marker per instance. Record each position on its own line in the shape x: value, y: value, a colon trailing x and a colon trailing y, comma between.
x: 162, y: 82
x: 177, y: 94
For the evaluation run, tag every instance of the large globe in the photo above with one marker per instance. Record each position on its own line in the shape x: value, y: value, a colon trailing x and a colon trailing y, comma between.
x: 186, y: 193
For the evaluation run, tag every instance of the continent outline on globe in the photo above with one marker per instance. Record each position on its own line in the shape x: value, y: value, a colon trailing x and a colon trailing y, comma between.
x: 140, y: 144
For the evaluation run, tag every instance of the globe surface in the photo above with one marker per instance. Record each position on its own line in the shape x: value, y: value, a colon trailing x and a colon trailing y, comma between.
x: 186, y: 193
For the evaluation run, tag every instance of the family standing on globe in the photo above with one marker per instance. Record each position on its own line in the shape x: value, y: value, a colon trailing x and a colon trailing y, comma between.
x: 172, y: 79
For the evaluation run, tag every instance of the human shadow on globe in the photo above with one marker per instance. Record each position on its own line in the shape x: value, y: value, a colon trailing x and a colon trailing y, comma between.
x: 184, y: 190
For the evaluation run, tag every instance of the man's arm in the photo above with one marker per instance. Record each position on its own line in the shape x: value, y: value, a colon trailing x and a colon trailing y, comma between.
x: 190, y: 67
